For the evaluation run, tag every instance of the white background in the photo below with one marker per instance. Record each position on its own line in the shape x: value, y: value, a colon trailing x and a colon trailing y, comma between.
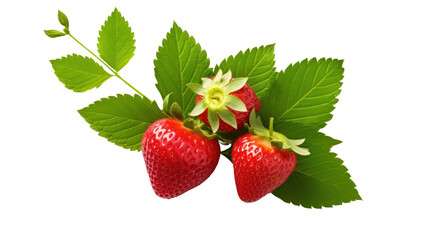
x: 59, y: 180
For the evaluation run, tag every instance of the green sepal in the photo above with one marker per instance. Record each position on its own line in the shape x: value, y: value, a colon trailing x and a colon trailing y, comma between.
x: 166, y: 102
x: 225, y: 79
x: 168, y: 112
x: 256, y: 124
x: 277, y: 144
x: 207, y: 134
x: 296, y: 142
x: 196, y: 88
x: 235, y: 84
x: 236, y: 104
x: 189, y: 123
x: 197, y: 125
x: 250, y: 129
x: 277, y: 139
x: 199, y: 108
x: 176, y: 111
x: 62, y: 18
x: 54, y: 33
x: 228, y: 117
x: 300, y: 150
x: 213, y: 120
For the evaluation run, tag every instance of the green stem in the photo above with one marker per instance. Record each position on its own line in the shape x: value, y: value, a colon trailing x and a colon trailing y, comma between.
x: 200, y: 125
x: 226, y: 141
x: 105, y: 64
x: 271, y: 127
x: 129, y: 85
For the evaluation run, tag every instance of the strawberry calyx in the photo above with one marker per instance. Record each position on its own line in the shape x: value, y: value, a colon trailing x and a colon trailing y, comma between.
x: 217, y: 99
x: 175, y: 110
x: 194, y: 124
x: 276, y: 139
x: 198, y: 126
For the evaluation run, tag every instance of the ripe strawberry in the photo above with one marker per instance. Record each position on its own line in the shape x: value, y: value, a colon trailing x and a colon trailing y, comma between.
x: 177, y: 158
x: 231, y: 99
x: 263, y: 160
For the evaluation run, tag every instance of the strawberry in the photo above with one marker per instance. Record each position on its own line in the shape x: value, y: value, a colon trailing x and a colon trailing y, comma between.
x: 177, y: 158
x: 263, y: 160
x: 229, y: 99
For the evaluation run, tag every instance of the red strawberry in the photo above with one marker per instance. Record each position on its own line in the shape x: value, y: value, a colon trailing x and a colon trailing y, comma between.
x: 259, y: 167
x: 177, y: 158
x: 262, y: 161
x: 229, y: 99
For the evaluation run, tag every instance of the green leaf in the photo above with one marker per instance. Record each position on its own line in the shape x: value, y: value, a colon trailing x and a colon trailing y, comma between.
x: 122, y: 119
x: 304, y: 93
x: 79, y: 73
x: 180, y: 61
x: 116, y: 41
x: 320, y: 179
x: 62, y: 18
x: 256, y: 64
x: 54, y: 33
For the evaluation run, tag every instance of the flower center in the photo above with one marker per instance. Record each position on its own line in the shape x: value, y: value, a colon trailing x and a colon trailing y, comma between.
x: 215, y: 98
